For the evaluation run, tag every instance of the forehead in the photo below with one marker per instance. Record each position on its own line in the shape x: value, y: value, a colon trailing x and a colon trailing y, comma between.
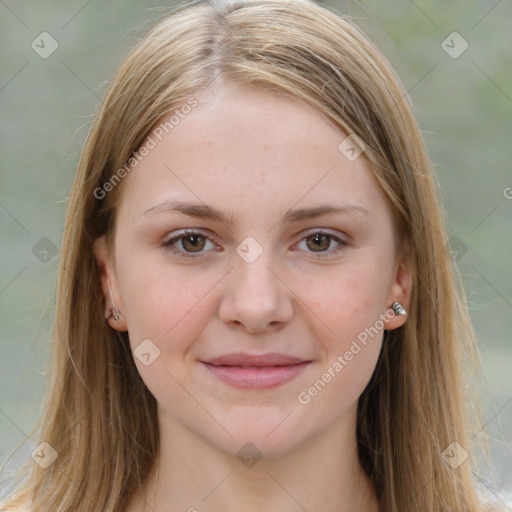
x: 252, y: 149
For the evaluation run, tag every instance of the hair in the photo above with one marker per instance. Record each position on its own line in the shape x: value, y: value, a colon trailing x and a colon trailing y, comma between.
x: 100, y: 417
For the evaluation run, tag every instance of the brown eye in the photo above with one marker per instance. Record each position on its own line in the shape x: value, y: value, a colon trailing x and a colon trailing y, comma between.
x: 187, y: 244
x: 319, y: 241
x: 193, y: 243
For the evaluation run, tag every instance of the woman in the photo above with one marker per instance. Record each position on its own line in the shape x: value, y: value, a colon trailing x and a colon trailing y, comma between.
x: 256, y: 217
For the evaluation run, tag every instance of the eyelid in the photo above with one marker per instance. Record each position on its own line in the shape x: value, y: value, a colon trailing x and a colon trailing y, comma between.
x: 176, y: 236
x: 188, y: 231
x: 180, y: 234
x: 324, y: 231
x: 207, y: 234
x: 340, y: 240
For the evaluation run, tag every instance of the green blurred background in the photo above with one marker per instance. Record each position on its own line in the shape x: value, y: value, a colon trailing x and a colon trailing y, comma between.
x: 463, y: 105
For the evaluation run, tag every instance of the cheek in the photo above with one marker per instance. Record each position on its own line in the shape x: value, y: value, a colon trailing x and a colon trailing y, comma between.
x: 170, y: 308
x: 348, y: 362
x: 337, y: 388
x: 348, y: 308
x: 348, y: 299
x: 165, y: 304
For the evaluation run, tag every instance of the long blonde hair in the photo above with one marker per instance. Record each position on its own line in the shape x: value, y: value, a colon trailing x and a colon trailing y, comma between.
x: 100, y: 417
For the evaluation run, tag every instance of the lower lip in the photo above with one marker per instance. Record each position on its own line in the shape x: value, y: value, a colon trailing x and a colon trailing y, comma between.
x: 264, y: 377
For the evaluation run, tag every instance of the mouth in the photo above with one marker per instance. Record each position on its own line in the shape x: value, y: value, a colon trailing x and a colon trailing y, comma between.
x: 256, y: 371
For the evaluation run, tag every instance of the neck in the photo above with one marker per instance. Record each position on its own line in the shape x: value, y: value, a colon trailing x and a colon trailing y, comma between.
x: 193, y: 475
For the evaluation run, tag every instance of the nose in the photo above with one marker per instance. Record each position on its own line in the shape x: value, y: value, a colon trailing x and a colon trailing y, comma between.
x: 256, y: 297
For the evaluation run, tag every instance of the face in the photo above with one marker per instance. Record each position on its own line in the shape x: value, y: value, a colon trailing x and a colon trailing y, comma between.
x: 289, y: 249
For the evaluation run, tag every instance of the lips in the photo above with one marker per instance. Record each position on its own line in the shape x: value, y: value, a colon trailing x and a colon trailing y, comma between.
x: 256, y: 371
x: 246, y: 360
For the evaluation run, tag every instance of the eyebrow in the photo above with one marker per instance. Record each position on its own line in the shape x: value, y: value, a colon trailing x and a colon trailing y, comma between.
x: 204, y: 211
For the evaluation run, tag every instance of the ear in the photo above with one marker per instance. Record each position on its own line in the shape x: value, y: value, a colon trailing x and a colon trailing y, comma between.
x: 400, y: 290
x: 109, y: 285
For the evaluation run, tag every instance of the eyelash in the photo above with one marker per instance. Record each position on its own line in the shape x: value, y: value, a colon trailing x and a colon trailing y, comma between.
x: 183, y: 234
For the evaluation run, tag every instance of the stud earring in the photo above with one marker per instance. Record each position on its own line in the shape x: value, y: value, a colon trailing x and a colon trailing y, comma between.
x: 114, y: 309
x: 398, y: 308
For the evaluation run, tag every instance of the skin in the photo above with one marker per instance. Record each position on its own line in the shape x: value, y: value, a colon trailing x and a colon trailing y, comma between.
x: 255, y: 155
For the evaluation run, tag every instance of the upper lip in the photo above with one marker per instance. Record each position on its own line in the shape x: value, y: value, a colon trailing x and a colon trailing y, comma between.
x: 242, y: 359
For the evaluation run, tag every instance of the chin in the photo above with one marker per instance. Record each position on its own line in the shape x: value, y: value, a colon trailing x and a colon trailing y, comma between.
x: 267, y: 436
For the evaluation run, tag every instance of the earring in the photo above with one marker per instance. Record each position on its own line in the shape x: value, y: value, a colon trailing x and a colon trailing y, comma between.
x: 398, y: 308
x: 114, y: 309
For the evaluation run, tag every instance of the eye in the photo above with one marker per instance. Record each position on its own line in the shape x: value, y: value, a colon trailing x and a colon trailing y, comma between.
x: 190, y: 244
x: 320, y: 242
x: 190, y: 241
